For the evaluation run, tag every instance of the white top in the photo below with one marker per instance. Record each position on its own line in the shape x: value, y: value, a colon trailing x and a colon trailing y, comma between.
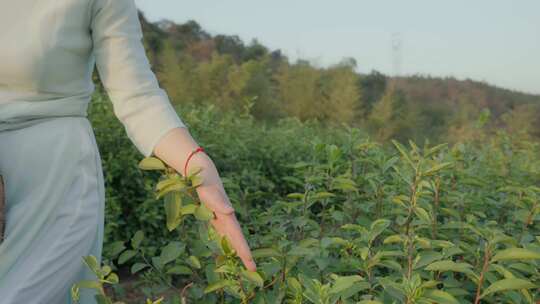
x: 47, y: 59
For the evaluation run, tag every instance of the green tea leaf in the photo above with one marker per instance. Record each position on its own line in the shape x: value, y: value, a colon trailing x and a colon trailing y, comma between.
x: 168, y: 182
x: 422, y: 214
x: 377, y: 227
x: 515, y: 254
x: 265, y: 253
x: 89, y: 284
x: 138, y: 267
x: 194, y: 262
x: 342, y: 283
x: 448, y: 265
x: 171, y: 252
x: 218, y: 285
x: 328, y: 241
x: 202, y: 213
x: 404, y: 153
x: 226, y: 246
x: 396, y: 238
x: 322, y: 195
x: 113, y: 278
x: 151, y: 163
x: 117, y: 248
x: 179, y: 269
x: 196, y: 180
x: 440, y: 297
x: 436, y: 168
x: 126, y: 255
x: 296, y: 195
x: 137, y: 239
x: 173, y: 203
x: 188, y: 209
x: 105, y: 270
x: 507, y: 284
x: 91, y: 262
x: 253, y: 277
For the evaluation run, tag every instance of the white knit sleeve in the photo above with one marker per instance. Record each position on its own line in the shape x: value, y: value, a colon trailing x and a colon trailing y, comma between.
x: 140, y: 104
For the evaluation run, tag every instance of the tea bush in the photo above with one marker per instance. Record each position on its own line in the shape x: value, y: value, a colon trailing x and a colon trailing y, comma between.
x: 331, y: 216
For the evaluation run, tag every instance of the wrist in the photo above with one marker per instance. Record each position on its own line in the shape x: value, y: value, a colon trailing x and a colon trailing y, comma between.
x: 197, y: 160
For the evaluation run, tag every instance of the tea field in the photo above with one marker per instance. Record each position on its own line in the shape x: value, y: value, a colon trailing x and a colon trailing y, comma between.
x: 331, y: 216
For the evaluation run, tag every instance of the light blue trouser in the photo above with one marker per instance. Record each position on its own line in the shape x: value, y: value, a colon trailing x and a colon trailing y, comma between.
x: 55, y: 210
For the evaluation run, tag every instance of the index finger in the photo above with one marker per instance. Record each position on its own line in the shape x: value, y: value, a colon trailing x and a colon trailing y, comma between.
x: 238, y: 241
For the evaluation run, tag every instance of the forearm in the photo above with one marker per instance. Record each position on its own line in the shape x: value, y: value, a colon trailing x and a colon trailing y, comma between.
x: 174, y: 149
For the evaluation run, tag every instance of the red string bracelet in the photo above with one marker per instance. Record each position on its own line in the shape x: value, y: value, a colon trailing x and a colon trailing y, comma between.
x: 190, y: 155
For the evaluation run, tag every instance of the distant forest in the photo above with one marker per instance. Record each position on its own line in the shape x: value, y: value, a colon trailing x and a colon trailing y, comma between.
x: 194, y: 66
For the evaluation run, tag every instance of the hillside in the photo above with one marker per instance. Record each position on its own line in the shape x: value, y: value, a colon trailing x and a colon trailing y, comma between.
x: 194, y: 66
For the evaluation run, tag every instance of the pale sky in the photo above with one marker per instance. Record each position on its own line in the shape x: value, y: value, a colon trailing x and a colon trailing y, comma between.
x: 495, y: 41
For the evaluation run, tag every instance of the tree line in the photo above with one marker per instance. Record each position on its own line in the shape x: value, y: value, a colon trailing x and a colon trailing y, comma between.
x: 196, y: 67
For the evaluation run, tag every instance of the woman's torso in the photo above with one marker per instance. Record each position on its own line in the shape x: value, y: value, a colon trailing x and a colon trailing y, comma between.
x: 45, y: 57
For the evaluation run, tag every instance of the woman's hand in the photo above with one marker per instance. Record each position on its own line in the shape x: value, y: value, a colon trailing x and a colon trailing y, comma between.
x: 174, y: 149
x: 225, y: 222
x: 212, y: 195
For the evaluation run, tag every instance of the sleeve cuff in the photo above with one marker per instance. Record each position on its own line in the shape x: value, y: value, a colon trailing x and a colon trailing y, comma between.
x: 147, y: 118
